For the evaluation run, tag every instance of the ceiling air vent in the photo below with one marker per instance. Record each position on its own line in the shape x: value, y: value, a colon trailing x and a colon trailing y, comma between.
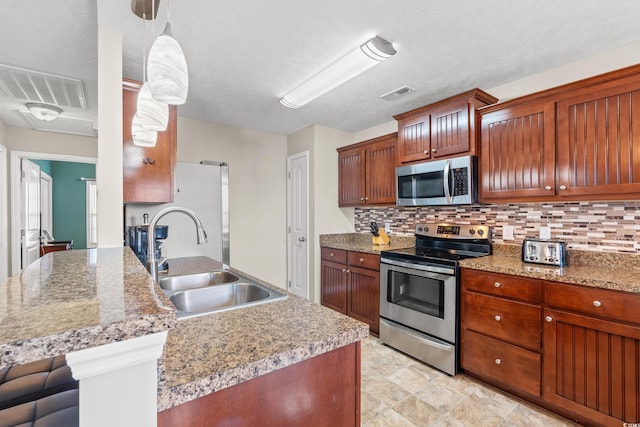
x: 397, y: 93
x: 33, y: 86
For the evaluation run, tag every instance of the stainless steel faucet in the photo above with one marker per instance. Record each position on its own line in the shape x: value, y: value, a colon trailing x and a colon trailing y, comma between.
x: 152, y: 261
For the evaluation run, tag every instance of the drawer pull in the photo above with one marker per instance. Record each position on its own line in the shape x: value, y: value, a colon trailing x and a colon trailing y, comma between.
x: 426, y: 151
x: 497, y: 318
x: 361, y: 259
x: 549, y: 319
x: 497, y: 284
x: 563, y: 187
x: 548, y: 188
x: 597, y: 303
x: 498, y: 362
x: 332, y: 254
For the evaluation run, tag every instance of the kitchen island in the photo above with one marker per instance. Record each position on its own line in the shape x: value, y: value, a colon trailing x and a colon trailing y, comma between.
x: 76, y: 300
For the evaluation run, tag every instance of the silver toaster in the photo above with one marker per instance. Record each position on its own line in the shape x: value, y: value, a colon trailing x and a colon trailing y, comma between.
x: 544, y: 252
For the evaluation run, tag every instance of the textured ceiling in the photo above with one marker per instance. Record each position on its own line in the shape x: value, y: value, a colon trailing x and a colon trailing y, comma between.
x: 243, y: 55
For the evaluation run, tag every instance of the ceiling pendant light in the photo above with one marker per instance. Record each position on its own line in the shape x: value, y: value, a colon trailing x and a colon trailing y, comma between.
x: 152, y: 115
x: 167, y: 69
x: 142, y: 137
x: 360, y: 59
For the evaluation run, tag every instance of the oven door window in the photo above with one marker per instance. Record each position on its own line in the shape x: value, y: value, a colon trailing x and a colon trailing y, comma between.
x: 418, y: 293
x: 429, y: 185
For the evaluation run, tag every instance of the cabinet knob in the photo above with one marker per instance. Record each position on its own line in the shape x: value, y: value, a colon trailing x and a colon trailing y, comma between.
x: 497, y: 318
x: 433, y: 150
x: 361, y: 259
x: 348, y: 271
x: 362, y: 199
x: 597, y: 303
x: 344, y: 270
x: 426, y: 151
x: 549, y: 319
x: 366, y: 198
x: 497, y: 284
x: 498, y: 362
x: 547, y: 187
x: 563, y: 187
x: 332, y: 254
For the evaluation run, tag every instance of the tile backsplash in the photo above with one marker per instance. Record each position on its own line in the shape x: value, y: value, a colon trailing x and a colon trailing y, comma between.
x: 592, y: 226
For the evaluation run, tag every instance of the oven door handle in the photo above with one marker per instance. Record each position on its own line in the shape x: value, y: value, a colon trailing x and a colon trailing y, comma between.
x: 446, y: 180
x: 428, y: 268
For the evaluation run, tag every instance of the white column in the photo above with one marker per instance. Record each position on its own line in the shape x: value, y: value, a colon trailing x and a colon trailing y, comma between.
x: 119, y: 382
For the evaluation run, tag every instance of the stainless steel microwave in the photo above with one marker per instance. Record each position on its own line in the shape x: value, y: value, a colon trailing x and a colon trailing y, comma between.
x: 440, y: 182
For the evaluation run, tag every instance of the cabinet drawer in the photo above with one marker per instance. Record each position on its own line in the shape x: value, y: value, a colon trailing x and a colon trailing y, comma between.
x: 503, y: 285
x: 512, y: 366
x: 334, y: 255
x: 360, y: 259
x: 611, y: 304
x: 516, y: 322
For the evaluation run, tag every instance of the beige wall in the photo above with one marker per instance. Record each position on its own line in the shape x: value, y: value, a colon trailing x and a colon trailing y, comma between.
x: 257, y: 191
x: 21, y: 139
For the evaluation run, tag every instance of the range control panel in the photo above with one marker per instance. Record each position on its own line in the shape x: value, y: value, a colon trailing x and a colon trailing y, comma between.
x: 453, y: 231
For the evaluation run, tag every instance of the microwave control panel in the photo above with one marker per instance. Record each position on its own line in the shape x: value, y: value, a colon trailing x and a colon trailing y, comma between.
x: 460, y: 181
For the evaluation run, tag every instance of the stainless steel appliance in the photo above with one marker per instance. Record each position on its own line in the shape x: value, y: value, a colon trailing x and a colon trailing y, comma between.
x: 439, y: 182
x: 419, y: 291
x: 544, y: 252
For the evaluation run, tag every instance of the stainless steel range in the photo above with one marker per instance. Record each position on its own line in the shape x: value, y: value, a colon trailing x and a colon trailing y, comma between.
x: 419, y: 291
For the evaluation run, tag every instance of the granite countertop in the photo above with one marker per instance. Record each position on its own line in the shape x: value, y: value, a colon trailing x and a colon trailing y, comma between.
x: 209, y: 353
x: 605, y: 270
x: 361, y: 242
x: 71, y: 300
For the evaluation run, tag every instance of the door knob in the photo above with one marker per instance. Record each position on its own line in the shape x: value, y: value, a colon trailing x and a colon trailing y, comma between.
x: 301, y: 239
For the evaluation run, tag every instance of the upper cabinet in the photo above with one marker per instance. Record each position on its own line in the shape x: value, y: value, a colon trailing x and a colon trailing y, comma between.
x: 147, y: 171
x: 366, y: 172
x: 579, y: 141
x: 443, y: 129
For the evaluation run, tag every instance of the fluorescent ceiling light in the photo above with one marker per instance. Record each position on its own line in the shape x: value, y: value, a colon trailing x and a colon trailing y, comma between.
x: 365, y: 56
x: 43, y: 112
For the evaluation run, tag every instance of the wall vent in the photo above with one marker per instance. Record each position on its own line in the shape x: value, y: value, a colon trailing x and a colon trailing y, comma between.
x: 61, y: 124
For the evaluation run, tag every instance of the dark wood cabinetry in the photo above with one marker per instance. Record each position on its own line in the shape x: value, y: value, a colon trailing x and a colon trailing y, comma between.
x: 579, y: 141
x: 445, y: 128
x: 573, y: 349
x: 501, y: 331
x: 517, y: 154
x: 350, y: 284
x: 366, y: 172
x: 592, y: 361
x: 147, y: 171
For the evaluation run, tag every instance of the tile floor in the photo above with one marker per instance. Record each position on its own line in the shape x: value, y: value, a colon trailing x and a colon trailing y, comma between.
x: 398, y: 391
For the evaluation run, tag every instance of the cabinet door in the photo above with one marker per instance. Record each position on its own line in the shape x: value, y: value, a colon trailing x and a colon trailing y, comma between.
x: 364, y: 296
x: 333, y: 286
x: 147, y: 171
x: 414, y: 139
x: 599, y: 141
x: 592, y: 367
x: 351, y: 176
x: 450, y: 130
x: 517, y: 160
x: 380, y: 181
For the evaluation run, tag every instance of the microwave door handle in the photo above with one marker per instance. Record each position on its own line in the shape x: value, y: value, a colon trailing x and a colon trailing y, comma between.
x: 447, y: 190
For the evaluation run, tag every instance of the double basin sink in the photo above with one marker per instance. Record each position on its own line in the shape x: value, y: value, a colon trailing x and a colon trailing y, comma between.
x: 214, y: 291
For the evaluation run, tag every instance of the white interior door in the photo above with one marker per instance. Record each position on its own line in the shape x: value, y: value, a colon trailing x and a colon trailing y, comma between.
x: 30, y: 228
x: 298, y: 224
x: 46, y: 204
x: 92, y: 213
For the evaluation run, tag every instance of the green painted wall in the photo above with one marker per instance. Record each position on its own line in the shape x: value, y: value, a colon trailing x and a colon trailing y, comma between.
x: 69, y: 201
x: 45, y: 165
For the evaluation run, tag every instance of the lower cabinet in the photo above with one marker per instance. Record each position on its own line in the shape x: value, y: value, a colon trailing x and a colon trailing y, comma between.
x: 501, y: 331
x: 575, y: 351
x: 350, y: 284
